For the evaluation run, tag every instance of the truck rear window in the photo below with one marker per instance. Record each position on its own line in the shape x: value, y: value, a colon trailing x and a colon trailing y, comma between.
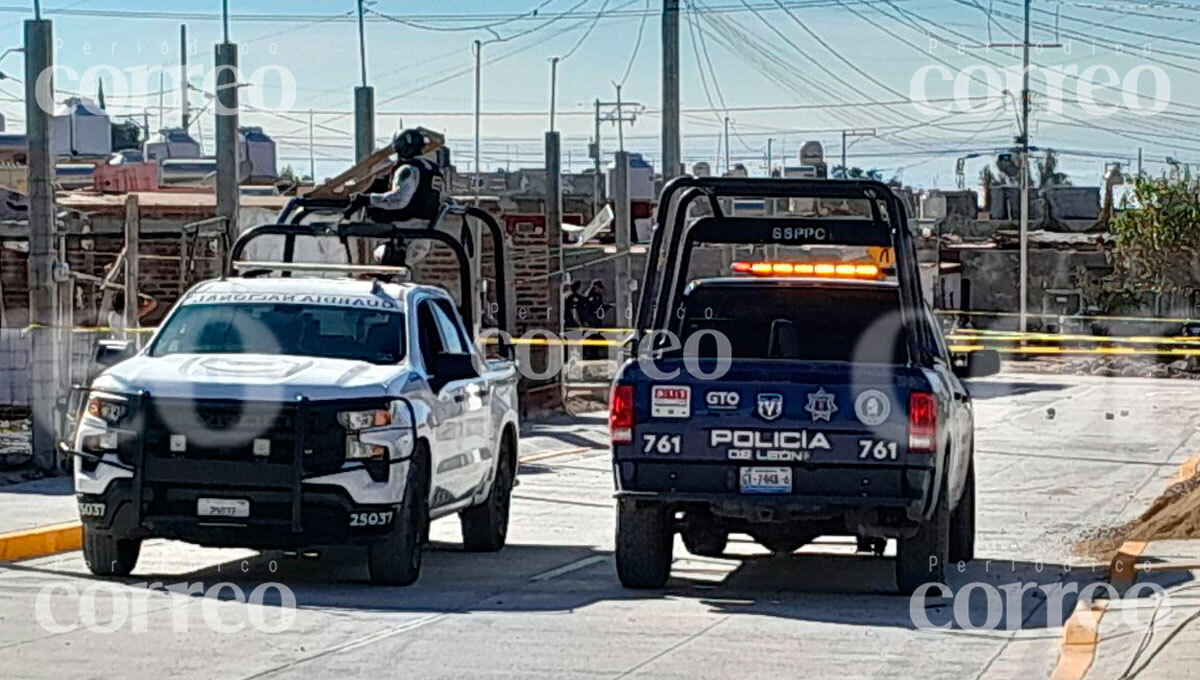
x: 810, y: 323
x: 315, y: 331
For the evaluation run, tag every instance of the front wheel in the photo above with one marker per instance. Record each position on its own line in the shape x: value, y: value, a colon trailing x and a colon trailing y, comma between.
x: 396, y: 559
x: 485, y: 526
x: 108, y: 555
x: 922, y: 558
x: 645, y: 539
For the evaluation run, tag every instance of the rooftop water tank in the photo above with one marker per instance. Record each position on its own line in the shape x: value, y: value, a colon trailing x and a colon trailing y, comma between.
x: 171, y: 143
x: 80, y: 128
x: 259, y: 150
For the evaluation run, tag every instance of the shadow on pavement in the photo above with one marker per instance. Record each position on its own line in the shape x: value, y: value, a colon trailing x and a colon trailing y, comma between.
x: 993, y: 389
x: 54, y: 486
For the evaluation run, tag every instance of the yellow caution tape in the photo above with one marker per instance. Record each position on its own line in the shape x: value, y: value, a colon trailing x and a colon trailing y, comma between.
x: 1081, y: 317
x: 88, y: 329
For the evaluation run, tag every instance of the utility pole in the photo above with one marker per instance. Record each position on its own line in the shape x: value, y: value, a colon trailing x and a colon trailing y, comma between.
x: 364, y: 99
x: 622, y: 226
x: 727, y: 165
x: 620, y: 122
x: 1024, y: 239
x: 1139, y: 161
x: 770, y: 156
x: 312, y: 154
x: 478, y: 114
x: 595, y: 151
x: 617, y: 117
x: 186, y: 117
x: 43, y: 293
x: 553, y: 89
x: 672, y: 156
x: 228, y: 172
x: 1023, y: 142
x: 162, y: 94
x: 852, y: 133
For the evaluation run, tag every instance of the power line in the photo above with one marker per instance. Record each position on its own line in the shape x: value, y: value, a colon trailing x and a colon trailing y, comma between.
x: 636, y: 45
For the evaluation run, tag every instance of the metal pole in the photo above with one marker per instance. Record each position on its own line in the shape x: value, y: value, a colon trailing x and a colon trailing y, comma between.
x: 478, y: 95
x: 1024, y: 233
x: 596, y: 166
x: 186, y: 118
x: 1139, y: 172
x: 553, y: 89
x: 770, y: 156
x: 620, y: 122
x: 225, y: 18
x: 364, y: 99
x: 312, y: 154
x: 43, y: 293
x: 672, y: 156
x: 845, y: 172
x: 228, y: 172
x: 727, y: 165
x: 362, y: 44
x: 162, y: 86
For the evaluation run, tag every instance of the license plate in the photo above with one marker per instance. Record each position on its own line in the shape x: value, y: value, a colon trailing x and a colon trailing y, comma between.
x: 766, y: 480
x: 222, y: 508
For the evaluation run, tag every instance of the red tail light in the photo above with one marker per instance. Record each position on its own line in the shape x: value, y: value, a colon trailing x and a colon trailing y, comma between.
x: 922, y: 422
x: 620, y: 414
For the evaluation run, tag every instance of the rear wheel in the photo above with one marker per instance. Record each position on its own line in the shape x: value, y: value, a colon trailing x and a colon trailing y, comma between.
x: 962, y: 522
x: 108, y: 555
x: 396, y: 559
x: 922, y: 558
x: 645, y: 539
x: 485, y: 526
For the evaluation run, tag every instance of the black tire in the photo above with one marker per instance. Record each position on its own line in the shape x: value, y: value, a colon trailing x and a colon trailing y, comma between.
x: 922, y: 558
x: 645, y: 540
x: 396, y: 559
x: 962, y: 522
x: 108, y: 555
x: 710, y: 543
x: 485, y: 526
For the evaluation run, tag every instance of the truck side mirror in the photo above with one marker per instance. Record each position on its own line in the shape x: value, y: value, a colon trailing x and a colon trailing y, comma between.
x: 109, y: 353
x: 978, y: 364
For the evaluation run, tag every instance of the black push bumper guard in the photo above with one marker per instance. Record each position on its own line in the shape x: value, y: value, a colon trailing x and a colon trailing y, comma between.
x: 225, y: 475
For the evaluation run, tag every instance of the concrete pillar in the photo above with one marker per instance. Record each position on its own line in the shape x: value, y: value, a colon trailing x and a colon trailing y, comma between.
x: 364, y: 122
x: 228, y: 172
x: 623, y: 296
x: 47, y: 384
x: 672, y: 156
x: 133, y: 224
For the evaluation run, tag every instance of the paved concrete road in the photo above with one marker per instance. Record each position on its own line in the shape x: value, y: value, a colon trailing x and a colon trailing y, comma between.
x: 1056, y: 456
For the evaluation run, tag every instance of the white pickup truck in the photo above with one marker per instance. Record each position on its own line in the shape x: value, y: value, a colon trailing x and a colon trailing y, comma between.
x: 299, y: 412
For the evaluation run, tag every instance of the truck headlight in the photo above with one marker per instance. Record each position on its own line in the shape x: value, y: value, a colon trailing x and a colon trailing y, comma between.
x: 362, y: 420
x: 106, y: 409
x: 358, y: 450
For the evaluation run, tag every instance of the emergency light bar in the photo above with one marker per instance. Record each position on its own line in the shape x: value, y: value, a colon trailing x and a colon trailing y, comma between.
x: 838, y: 270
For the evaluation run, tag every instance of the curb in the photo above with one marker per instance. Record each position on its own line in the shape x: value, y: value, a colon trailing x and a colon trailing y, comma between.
x: 49, y: 540
x: 1081, y: 633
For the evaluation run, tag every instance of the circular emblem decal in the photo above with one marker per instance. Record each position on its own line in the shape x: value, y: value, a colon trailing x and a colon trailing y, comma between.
x: 872, y: 407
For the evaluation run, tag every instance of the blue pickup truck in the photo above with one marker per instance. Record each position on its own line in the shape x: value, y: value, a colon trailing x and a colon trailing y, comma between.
x: 792, y: 397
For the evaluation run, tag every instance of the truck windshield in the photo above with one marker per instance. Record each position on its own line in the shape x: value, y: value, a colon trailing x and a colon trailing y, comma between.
x: 780, y: 320
x: 332, y: 332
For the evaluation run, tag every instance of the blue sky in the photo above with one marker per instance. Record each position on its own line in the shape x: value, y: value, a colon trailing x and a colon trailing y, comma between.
x: 852, y: 52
